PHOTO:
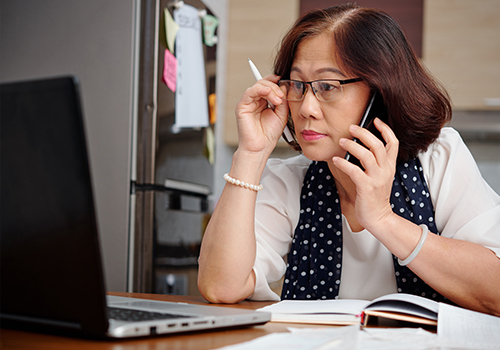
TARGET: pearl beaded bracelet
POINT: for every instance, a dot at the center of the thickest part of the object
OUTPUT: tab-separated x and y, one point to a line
242	184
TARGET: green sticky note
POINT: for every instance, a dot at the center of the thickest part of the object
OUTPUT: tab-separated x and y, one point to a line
210	23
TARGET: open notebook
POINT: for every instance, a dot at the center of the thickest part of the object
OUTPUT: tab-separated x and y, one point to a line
51	270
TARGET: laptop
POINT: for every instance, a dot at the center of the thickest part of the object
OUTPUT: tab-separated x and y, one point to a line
50	260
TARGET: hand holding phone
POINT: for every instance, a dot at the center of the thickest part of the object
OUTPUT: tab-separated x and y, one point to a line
374	109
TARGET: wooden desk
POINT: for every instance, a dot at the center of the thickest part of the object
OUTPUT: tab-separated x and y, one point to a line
21	340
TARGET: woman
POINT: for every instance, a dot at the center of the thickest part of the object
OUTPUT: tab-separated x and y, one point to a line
417	217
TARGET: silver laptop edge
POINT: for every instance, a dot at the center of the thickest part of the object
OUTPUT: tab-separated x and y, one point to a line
200	317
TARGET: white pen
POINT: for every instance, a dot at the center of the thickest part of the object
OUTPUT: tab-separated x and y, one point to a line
257	75
254	69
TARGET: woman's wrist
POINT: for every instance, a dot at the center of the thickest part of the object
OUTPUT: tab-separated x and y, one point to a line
248	166
398	234
386	220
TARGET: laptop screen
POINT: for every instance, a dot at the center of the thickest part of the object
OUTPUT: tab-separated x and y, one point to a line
50	259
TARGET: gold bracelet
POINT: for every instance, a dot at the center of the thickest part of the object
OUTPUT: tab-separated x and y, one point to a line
243	184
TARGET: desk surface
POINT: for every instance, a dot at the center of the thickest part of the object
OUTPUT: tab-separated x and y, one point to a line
14	339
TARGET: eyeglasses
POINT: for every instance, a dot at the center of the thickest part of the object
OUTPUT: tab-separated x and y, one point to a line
324	90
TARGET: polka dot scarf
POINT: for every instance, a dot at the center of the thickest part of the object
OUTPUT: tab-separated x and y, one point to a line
315	260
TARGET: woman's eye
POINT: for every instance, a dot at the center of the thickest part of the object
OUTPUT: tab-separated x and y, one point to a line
327	87
296	86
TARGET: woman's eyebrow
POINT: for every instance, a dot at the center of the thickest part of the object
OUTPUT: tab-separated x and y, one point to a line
330	70
321	70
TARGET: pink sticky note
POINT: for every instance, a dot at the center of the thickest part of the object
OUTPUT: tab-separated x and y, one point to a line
170	70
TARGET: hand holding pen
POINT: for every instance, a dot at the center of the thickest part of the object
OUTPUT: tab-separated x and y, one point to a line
287	134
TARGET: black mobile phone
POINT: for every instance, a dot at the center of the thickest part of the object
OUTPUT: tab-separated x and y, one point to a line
374	109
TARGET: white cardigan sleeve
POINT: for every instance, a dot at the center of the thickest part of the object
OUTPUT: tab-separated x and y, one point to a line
465	206
277	214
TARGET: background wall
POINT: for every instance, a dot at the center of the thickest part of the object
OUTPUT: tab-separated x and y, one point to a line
255	29
461	47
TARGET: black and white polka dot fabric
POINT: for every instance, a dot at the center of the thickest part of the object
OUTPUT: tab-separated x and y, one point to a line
315	259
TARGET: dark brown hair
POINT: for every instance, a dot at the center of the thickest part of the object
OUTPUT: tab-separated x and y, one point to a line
371	45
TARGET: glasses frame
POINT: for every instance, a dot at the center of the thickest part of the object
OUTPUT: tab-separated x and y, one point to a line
305	83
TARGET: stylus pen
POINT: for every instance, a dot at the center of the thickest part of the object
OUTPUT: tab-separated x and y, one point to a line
257	75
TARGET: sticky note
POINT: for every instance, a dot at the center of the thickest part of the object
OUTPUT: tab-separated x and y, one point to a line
210	23
170	70
171	29
212	108
209	150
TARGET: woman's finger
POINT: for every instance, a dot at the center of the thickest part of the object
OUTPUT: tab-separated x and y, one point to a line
263	90
392	142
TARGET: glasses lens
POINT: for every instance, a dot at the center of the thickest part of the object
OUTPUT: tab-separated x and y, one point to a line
293	89
327	90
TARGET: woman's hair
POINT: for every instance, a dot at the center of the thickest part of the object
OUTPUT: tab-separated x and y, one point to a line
371	45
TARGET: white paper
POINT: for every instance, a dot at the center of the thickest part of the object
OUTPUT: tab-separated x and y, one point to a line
191	101
352	338
466	326
341	337
397	339
285	341
303	339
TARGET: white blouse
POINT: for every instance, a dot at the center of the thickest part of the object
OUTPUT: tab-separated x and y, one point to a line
465	207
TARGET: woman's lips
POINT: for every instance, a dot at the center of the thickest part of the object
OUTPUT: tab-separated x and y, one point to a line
309	135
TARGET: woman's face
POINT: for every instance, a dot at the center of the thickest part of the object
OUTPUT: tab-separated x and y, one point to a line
319	125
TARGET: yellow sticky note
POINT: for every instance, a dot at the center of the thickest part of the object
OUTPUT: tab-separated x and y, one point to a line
209	145
171	29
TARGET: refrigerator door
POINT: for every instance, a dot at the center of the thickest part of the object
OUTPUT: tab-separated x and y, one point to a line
168	221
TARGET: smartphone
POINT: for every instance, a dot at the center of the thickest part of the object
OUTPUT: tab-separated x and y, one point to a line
374	109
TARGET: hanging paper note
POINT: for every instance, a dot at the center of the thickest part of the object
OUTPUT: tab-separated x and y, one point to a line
171	29
191	105
170	70
210	23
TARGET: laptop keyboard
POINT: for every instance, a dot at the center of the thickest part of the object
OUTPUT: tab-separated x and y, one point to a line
139	315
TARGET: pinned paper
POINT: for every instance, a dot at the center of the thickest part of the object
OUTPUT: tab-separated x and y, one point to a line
210	23
170	70
171	29
191	100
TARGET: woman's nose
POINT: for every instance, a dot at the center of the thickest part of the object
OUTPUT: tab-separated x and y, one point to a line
309	106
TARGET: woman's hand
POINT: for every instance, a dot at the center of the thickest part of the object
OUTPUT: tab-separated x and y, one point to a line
260	127
374	184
